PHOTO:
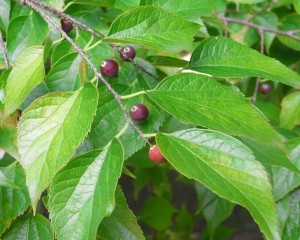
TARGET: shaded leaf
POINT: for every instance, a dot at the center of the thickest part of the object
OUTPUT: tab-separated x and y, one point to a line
289	211
270	154
8	141
122	223
289	23
290	111
157	213
284	180
24	32
215	209
30	227
64	75
13	201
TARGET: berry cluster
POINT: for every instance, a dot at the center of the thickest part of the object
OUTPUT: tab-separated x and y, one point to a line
110	68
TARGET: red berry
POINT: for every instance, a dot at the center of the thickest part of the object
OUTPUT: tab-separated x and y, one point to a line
156	156
139	112
109	68
127	53
66	25
265	88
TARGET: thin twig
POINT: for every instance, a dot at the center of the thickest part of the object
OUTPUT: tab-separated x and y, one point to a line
226	31
263	10
262	49
4	51
290	34
35	7
91	31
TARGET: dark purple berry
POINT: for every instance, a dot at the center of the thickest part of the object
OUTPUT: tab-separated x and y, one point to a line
265	88
66	25
109	68
156	156
139	112
127	53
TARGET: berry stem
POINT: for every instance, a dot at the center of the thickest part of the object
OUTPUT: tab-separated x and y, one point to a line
262	49
35	7
132	95
89	43
67	6
123	130
93	46
58	41
150	135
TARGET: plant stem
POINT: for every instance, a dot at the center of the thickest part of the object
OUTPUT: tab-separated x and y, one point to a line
133	95
149	135
4	51
31	3
91	47
262	49
290	34
123	130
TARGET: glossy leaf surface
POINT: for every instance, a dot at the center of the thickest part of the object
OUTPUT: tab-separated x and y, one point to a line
50	130
83	193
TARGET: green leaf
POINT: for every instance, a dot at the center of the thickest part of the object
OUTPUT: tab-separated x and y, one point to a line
152	27
190	9
247	1
4	13
125	5
289	23
30	227
223	57
226	167
290	111
8	141
64	75
284	181
202	100
297	6
5	176
270	154
84	191
60	51
157	213
167	61
50	130
3	80
289	210
267	19
103	3
27	73
109	120
13	201
215	209
184	223
122	223
24	32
